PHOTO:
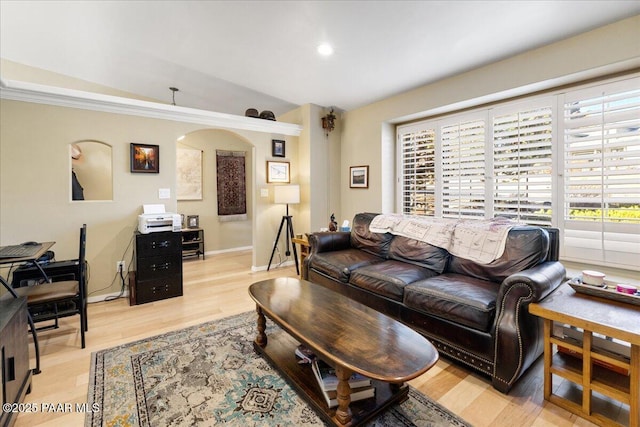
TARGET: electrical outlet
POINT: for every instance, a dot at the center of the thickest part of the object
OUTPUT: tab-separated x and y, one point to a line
120	266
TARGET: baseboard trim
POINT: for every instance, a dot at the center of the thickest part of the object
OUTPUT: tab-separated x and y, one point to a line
273	267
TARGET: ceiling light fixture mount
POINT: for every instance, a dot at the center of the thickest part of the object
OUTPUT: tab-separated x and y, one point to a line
173	95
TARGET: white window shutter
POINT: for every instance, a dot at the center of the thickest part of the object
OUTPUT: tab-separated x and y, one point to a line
463	158
522	163
570	159
602	174
417	151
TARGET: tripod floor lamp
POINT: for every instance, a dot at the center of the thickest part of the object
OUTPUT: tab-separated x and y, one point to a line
286	194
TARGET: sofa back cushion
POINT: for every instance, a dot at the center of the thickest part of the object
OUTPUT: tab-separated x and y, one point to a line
526	247
365	240
419	253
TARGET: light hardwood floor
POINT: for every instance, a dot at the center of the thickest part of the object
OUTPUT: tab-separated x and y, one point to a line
216	288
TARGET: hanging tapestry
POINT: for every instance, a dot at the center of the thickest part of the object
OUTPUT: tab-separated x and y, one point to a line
232	187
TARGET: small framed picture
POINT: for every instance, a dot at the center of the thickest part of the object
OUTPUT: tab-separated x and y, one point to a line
193	221
278	172
145	158
277	148
359	177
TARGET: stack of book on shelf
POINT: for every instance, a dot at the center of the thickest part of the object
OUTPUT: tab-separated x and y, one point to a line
600	344
361	387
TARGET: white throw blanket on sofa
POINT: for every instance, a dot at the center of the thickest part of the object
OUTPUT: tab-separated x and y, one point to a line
482	241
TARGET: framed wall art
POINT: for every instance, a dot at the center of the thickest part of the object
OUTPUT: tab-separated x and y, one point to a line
193	221
359	176
189	174
145	158
277	148
278	172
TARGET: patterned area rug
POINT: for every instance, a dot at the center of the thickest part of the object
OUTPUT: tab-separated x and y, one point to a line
210	374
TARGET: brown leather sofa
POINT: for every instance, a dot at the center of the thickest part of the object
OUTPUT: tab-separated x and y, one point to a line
473	313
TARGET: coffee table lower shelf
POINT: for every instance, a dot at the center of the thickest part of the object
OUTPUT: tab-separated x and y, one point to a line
280	352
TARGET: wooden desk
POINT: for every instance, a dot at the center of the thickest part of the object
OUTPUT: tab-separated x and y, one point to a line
593	315
44	247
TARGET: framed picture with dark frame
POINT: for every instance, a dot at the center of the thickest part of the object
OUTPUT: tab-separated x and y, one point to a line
359	176
278	172
193	221
145	158
277	148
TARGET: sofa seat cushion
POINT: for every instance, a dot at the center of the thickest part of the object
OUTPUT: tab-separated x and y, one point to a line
455	297
339	264
389	278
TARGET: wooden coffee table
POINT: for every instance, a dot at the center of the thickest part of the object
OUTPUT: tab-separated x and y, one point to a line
344	333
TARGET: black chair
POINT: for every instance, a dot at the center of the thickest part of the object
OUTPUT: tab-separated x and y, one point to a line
50	301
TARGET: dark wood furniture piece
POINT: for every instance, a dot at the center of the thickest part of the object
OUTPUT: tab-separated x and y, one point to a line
44	247
14	349
192	242
158	270
593	315
344	333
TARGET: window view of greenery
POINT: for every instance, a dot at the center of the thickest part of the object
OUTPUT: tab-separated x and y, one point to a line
602	158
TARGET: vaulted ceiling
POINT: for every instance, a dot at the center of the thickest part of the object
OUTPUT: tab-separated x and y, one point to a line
228	56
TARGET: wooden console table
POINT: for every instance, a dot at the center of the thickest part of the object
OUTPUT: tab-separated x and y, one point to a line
593	315
304	250
344	333
193	242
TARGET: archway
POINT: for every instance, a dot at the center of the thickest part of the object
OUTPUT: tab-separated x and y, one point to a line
202	200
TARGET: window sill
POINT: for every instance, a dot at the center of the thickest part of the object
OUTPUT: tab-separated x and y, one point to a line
631	277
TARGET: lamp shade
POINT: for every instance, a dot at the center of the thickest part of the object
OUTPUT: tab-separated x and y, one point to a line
286	194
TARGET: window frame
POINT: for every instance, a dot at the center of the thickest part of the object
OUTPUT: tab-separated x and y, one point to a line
555	99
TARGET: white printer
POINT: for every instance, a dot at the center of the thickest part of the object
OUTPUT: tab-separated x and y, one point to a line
155	219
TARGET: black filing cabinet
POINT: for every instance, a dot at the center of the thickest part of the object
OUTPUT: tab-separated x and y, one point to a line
158	274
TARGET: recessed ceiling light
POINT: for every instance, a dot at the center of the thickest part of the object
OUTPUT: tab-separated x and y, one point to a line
325	49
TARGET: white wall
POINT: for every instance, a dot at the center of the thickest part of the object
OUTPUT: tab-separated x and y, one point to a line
319	171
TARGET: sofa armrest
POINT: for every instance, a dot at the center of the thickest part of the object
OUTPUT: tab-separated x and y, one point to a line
329	241
325	242
518	334
541	280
